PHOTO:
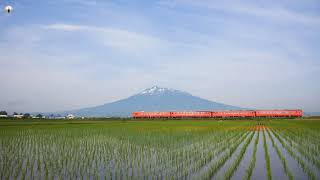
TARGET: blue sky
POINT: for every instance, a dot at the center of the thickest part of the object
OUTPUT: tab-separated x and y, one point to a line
68	54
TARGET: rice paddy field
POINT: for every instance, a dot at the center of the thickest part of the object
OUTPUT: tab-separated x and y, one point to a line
160	149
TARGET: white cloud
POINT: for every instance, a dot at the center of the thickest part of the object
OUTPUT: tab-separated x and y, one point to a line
86	3
118	39
65	27
275	14
273	11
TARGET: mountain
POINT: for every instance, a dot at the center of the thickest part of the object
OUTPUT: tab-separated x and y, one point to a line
152	99
312	113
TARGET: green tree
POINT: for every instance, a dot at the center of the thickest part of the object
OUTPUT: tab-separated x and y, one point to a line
3	113
26	115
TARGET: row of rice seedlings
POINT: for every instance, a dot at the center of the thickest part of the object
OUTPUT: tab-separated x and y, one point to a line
236	163
191	146
177	156
302	164
304	147
221	161
202	160
189	155
208	154
310	134
306	137
292	139
8	160
303	137
281	157
267	157
310	159
67	154
34	165
217	153
145	160
122	162
252	164
200	149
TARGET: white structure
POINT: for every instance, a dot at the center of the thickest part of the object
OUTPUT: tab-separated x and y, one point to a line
19	116
3	116
70	116
59	117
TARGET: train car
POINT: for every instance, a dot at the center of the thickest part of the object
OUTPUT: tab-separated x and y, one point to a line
279	113
136	115
220	114
232	113
191	114
139	115
151	114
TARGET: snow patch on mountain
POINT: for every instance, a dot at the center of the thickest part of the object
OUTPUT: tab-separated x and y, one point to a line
156	90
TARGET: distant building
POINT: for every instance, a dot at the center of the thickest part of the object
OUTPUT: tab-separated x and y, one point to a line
3	116
39	116
19	116
70	116
59	117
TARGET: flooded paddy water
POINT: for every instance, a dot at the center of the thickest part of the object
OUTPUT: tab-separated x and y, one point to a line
259	172
241	171
163	150
276	168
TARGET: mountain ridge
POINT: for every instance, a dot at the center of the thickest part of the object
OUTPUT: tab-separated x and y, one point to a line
152	99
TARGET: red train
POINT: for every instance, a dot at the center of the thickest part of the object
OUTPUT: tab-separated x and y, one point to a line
220	114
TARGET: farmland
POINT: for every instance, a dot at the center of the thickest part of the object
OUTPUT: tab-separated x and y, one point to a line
160	149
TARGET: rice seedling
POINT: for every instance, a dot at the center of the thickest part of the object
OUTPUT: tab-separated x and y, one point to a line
299	160
236	163
304	146
249	170
220	153
281	157
267	157
221	161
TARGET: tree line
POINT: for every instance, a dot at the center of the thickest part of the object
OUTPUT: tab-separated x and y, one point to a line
24	115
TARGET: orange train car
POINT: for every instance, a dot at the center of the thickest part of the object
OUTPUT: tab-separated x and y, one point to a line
151	114
191	114
279	113
220	114
233	113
